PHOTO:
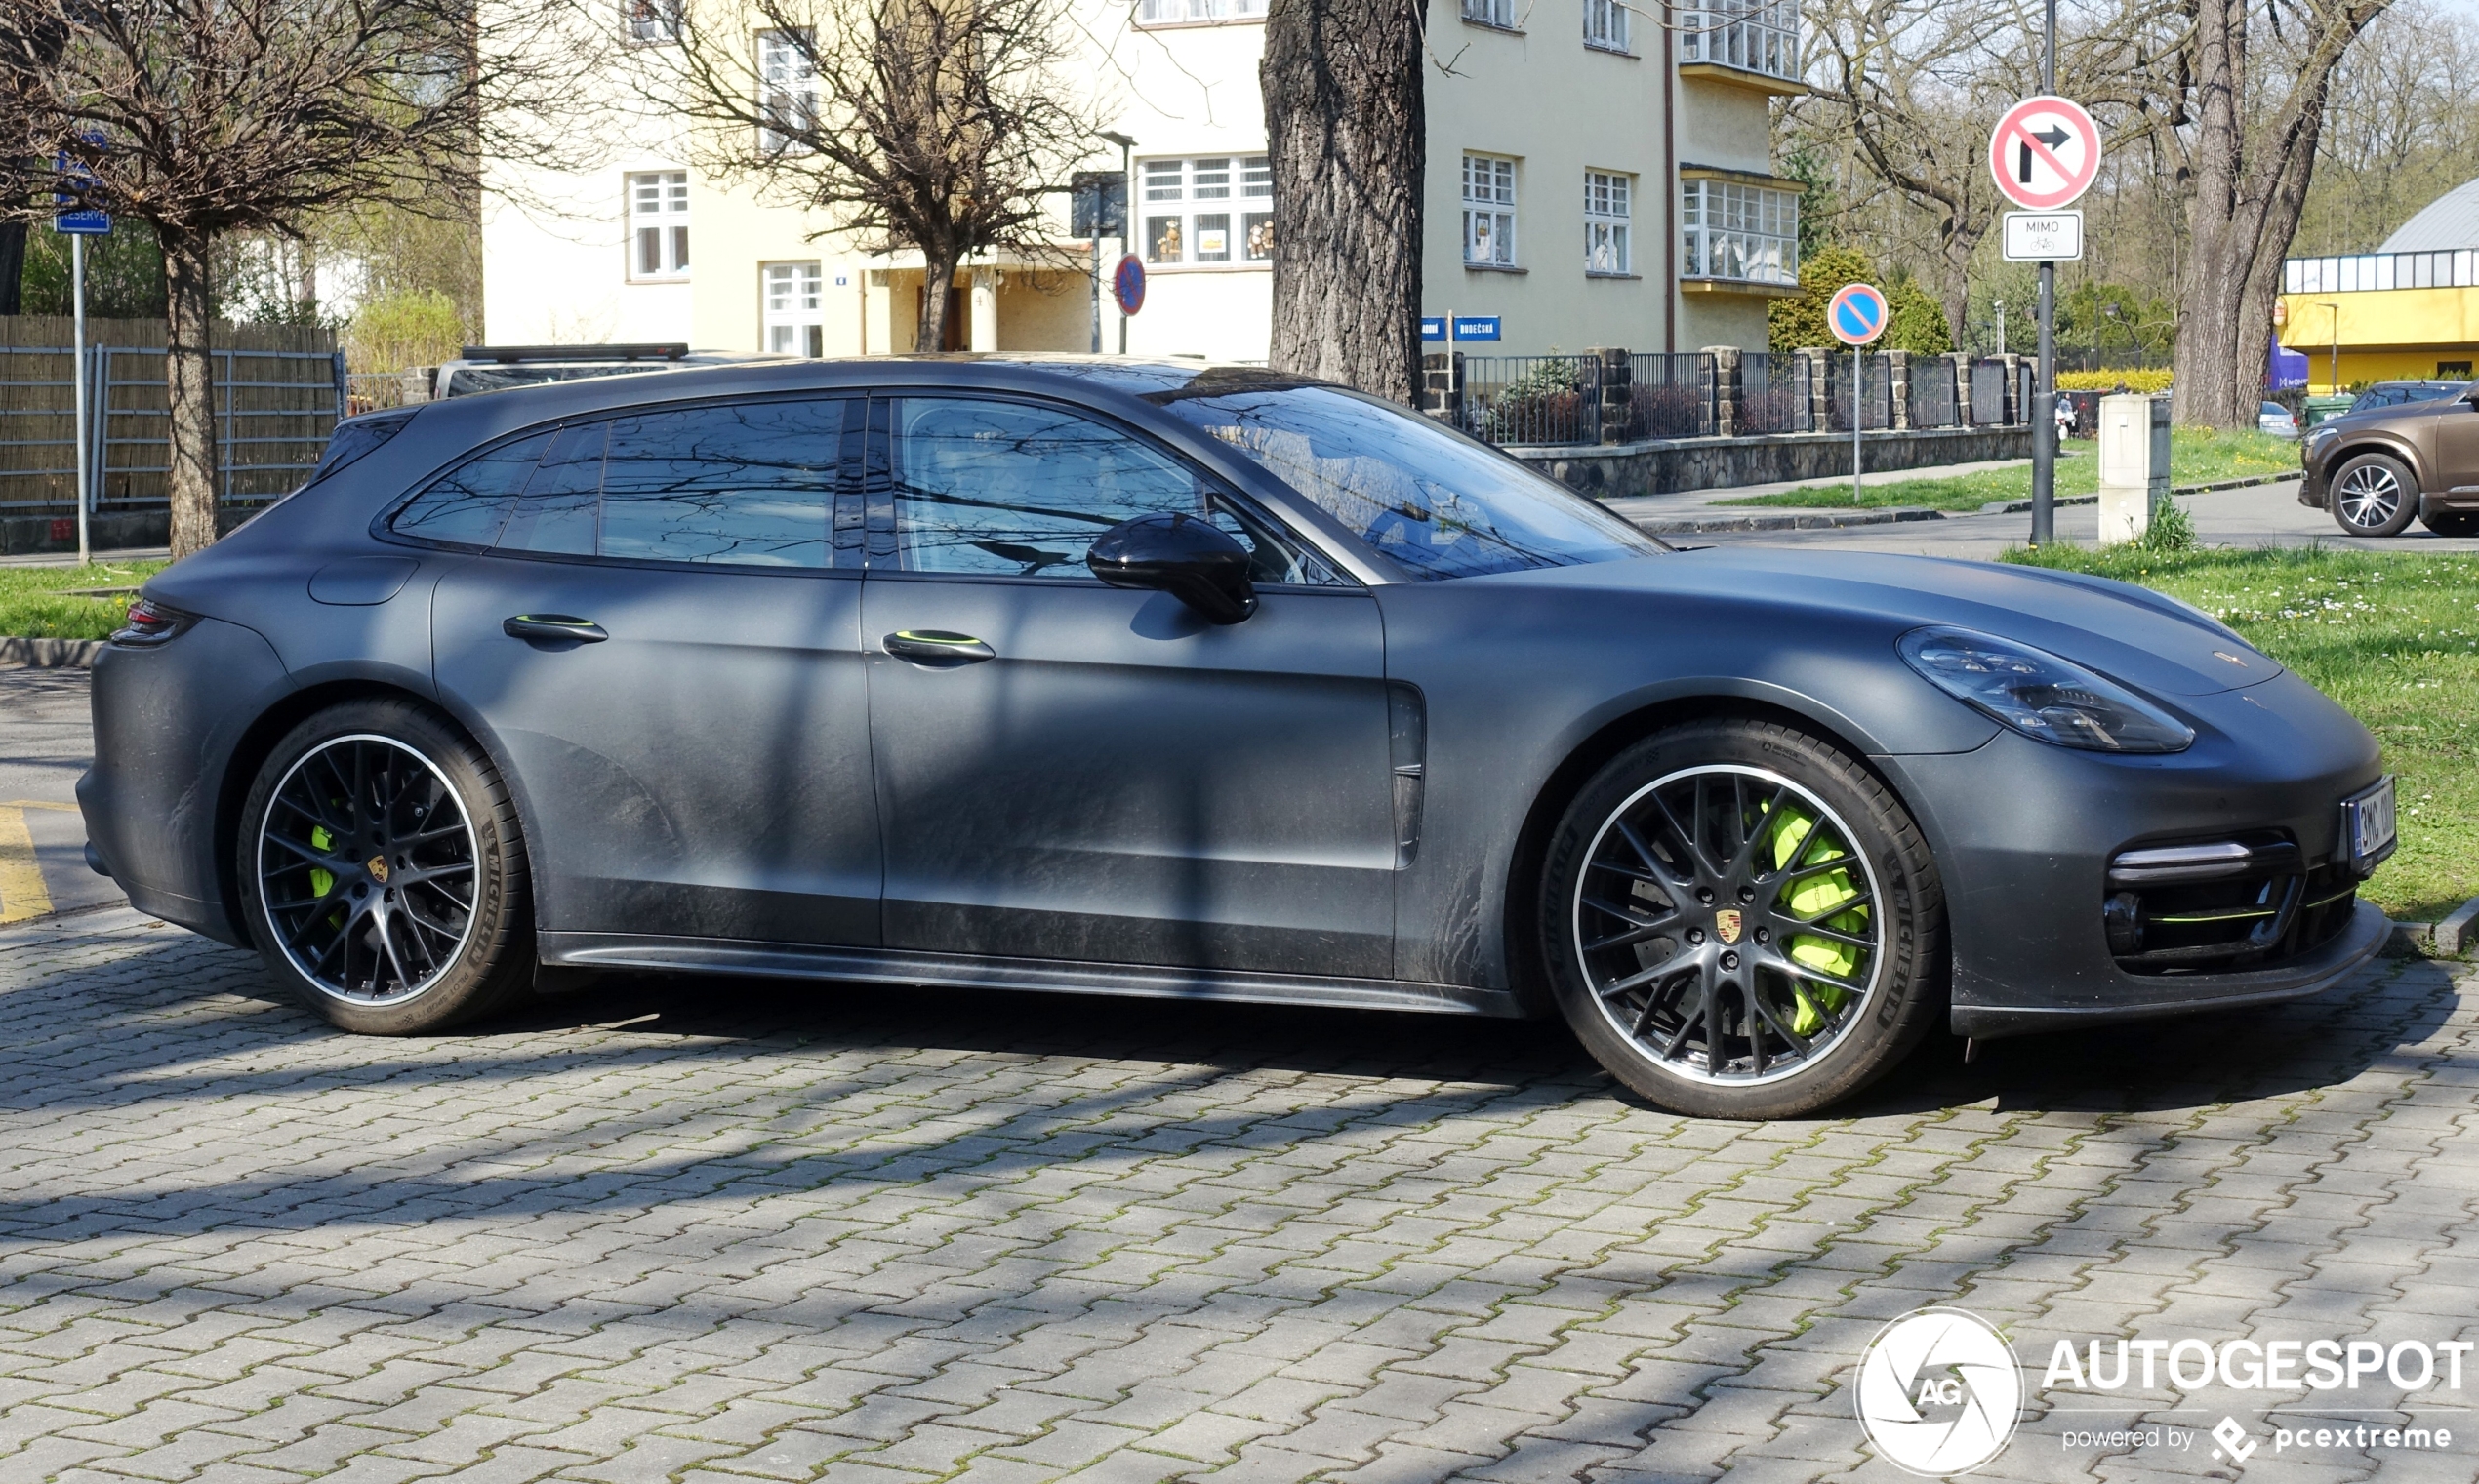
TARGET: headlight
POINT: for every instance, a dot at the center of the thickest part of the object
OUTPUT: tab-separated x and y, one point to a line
2039	695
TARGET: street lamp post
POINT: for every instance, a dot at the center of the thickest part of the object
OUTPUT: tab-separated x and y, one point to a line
1128	212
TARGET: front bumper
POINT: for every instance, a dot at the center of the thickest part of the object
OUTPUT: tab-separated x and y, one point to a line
2023	833
2313	493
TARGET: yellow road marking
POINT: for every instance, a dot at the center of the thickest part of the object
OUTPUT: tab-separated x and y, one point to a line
40	804
22	892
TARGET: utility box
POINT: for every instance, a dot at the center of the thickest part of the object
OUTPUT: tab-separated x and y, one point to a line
2134	464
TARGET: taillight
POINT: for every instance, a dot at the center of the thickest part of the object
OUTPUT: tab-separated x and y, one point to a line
150	622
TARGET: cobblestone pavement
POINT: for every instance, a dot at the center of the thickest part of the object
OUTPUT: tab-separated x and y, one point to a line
700	1231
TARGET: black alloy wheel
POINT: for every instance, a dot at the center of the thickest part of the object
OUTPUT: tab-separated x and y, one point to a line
379	859
1741	922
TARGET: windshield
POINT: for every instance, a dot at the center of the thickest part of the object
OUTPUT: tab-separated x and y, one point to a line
1438	504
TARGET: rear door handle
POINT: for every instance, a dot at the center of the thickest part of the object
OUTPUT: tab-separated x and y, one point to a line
937	648
554	625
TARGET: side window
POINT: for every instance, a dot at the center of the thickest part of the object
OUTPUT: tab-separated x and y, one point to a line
1012	489
751	484
467	505
563	497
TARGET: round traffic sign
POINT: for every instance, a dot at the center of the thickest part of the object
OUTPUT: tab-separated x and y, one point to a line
2043	152
1857	314
1127	284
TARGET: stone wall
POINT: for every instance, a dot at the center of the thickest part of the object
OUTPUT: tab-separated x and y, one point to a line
1664	467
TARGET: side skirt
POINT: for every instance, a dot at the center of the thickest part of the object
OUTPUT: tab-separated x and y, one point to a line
892	966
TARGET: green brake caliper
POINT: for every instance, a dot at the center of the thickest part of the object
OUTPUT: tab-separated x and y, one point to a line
1788	830
322	880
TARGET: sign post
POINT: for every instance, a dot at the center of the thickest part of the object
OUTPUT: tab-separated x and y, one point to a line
1857	315
77	225
2044	154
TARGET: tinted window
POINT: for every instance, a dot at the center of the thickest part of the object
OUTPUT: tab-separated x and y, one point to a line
467	506
1011	489
751	484
358	436
1438	503
562	499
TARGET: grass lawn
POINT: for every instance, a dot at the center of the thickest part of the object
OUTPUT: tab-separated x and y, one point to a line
2395	639
2197	455
34	603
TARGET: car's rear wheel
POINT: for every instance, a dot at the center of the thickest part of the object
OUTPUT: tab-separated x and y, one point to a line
382	871
2453	523
1740	921
2374	494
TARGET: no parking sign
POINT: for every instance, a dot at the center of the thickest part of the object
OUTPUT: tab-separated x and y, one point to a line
1857	314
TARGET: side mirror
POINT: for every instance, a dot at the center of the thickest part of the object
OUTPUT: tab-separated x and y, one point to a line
1184	555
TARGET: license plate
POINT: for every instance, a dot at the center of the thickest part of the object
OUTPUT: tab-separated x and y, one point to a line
2367	826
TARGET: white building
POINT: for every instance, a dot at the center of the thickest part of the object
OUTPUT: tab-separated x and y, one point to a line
1584	189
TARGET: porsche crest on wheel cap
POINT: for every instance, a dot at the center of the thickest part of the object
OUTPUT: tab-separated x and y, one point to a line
1727	924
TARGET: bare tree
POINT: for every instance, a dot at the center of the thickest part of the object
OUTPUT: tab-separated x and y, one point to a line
1348	129
939	125
210	117
2398	129
2248	103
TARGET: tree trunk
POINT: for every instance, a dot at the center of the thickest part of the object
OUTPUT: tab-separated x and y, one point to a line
2251	185
12	267
1348	128
938	285
1954	284
189	388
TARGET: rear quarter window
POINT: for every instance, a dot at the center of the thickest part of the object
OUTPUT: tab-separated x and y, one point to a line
468	505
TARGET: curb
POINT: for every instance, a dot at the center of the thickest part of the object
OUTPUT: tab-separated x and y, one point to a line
1803	519
2454	935
49	654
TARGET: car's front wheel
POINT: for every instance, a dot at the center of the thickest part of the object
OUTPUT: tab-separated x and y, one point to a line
383	872
2374	494
1740	921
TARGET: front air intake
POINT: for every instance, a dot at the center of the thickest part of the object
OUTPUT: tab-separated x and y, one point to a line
2246	901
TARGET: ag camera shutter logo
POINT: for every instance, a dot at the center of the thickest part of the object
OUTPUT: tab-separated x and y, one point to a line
1938	1392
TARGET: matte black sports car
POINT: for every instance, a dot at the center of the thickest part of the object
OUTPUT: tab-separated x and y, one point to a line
1177	680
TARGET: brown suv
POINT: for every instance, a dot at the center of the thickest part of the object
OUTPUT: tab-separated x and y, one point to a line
2376	470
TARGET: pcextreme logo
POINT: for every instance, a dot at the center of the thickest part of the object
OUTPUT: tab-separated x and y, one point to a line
1938	1392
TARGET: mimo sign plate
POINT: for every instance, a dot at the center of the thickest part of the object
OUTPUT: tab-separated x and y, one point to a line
2041	237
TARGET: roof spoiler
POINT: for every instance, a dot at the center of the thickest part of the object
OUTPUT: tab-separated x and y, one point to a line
510	354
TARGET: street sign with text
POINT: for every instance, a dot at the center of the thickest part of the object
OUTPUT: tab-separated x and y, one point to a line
1432	326
1475	327
2042	237
2045	152
71	220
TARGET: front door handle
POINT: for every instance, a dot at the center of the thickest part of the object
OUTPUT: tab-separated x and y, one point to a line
554	625
937	648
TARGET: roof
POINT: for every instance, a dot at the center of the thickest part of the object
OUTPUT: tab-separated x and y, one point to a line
2450	221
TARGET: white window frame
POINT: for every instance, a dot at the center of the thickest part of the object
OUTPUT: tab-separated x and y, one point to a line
1497	15
1610	197
1759	36
787	89
650	22
1606	25
658	208
793	308
1153	13
1209	213
1489	212
1739	234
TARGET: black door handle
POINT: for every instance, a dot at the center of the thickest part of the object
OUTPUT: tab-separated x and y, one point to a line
937	648
554	625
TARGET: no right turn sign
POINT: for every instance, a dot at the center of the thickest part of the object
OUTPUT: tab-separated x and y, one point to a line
2045	152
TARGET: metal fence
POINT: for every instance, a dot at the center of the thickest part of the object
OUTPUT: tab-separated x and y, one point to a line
1930	401
1670	396
1772	395
273	410
1532	398
1875	392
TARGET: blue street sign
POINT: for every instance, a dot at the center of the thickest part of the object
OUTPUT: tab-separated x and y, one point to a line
1432	326
73	222
1475	327
1127	284
1857	313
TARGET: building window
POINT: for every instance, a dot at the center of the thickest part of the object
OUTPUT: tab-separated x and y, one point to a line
659	224
1750	35
796	321
1488	211
1608	205
1496	13
1196	11
1742	232
653	22
1196	211
787	91
1606	25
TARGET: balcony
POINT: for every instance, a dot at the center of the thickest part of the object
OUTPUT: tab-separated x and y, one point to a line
1739	233
1751	44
